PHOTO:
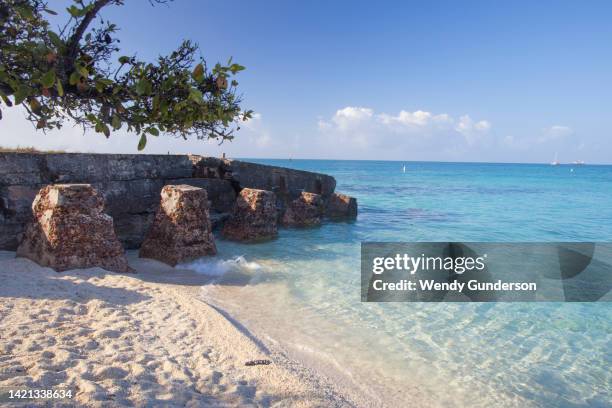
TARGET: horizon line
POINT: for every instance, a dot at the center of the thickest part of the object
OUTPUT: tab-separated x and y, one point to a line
304	159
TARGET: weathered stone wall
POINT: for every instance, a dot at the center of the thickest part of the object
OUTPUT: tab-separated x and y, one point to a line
131	185
280	180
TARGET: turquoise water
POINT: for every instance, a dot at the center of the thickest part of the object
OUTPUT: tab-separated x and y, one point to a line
302	289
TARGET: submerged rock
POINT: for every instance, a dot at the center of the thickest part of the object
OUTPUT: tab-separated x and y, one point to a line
70	230
304	211
181	230
253	217
341	206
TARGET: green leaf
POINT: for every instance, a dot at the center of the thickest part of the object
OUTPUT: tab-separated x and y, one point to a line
34	105
153	131
74	78
124	60
21	93
198	72
48	79
143	142
102	128
74	11
196	96
24	11
48	11
100	86
116	122
155	104
143	87
236	68
55	39
59	87
83	71
87	8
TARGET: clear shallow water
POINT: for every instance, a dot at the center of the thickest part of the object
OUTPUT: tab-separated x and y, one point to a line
303	289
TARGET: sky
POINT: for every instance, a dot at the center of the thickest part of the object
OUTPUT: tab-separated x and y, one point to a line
380	80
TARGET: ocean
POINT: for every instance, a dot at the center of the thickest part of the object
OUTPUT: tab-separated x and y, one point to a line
303	289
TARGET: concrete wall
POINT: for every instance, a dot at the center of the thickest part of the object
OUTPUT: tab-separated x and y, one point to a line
131	185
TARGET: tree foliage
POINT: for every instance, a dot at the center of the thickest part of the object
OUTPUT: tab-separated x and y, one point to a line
74	73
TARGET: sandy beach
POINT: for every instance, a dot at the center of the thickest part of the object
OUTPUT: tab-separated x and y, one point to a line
140	339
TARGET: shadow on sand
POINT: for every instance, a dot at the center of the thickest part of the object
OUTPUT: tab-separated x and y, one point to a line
74	285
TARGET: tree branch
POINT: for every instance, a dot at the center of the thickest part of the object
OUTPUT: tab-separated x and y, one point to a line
75	39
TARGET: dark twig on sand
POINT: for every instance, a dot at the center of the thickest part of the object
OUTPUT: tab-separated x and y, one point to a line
257	362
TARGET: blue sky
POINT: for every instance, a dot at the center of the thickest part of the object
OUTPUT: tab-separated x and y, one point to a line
461	81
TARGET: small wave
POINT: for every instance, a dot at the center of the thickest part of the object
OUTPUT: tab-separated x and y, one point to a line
220	267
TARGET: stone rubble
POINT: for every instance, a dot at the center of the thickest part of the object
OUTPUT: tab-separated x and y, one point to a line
253	218
70	230
341	206
304	211
181	230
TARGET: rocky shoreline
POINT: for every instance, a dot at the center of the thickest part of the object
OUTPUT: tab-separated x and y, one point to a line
149	197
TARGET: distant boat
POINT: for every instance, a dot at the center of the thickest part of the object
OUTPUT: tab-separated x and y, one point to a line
404	168
555	162
579	162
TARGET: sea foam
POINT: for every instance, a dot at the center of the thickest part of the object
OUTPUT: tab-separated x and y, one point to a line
223	267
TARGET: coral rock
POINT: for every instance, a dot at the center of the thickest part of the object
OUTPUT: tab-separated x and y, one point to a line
341	206
304	211
70	230
181	230
253	217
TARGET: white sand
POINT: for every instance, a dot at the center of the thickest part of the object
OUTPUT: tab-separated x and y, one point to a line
140	340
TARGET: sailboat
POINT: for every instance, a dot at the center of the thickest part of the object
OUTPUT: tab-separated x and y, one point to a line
556	161
404	168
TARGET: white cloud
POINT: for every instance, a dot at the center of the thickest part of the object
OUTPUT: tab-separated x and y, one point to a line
364	133
349	133
417	119
471	130
349	117
364	129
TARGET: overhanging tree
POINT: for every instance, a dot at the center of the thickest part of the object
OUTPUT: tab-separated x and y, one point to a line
73	74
